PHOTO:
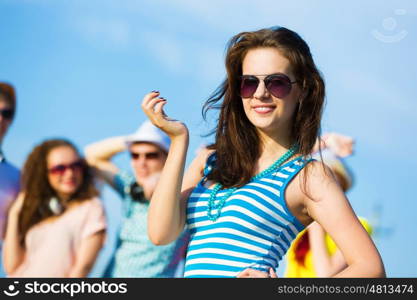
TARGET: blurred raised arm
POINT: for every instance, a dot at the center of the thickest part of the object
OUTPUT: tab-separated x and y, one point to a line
99	155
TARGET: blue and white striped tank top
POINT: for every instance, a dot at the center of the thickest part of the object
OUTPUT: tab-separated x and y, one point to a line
254	230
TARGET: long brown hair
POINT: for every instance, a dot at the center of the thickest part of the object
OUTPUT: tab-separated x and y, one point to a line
37	189
235	131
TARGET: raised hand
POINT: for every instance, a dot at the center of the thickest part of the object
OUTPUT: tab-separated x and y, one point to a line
153	105
339	144
17	205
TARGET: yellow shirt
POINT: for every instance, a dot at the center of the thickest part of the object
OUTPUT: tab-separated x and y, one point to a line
296	269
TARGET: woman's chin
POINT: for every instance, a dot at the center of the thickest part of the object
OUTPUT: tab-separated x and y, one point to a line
67	192
265	125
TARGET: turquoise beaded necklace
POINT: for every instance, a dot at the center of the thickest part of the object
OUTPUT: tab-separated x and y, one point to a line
211	205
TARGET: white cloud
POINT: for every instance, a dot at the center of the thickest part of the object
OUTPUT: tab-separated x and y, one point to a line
110	32
165	48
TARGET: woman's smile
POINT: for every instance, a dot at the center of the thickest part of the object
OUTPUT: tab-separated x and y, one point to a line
263	109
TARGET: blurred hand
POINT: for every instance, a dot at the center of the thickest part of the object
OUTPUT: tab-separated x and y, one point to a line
152	105
17	205
251	273
340	145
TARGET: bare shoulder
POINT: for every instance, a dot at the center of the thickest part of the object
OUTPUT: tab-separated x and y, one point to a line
318	178
313	176
309	186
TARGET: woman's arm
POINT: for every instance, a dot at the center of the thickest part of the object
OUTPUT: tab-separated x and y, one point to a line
87	254
327	205
325	265
99	155
13	251
167	210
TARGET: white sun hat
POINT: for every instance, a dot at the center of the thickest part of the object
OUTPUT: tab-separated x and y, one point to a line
149	133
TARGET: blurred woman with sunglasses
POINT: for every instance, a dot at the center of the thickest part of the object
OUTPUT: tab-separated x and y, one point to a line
247	198
56	227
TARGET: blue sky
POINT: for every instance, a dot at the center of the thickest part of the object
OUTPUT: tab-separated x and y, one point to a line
81	69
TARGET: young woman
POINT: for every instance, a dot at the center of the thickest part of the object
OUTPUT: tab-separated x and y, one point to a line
56	227
246	198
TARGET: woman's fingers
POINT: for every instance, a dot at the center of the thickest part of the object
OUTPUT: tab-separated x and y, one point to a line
148	97
149	106
251	273
153	107
272	273
244	274
149	101
159	107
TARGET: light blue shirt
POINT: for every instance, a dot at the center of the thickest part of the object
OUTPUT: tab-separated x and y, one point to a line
135	255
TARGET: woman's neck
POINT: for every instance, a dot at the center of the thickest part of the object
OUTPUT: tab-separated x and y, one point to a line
64	198
274	144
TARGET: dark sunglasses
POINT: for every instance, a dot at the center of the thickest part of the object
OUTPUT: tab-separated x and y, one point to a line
61	168
279	85
149	155
7	113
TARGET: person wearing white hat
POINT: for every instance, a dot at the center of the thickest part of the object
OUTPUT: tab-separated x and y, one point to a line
135	255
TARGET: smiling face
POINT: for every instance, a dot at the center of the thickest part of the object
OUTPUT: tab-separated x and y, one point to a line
265	111
65	175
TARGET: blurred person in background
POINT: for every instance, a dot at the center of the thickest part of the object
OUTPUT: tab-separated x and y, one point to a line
9	174
135	255
313	253
56	227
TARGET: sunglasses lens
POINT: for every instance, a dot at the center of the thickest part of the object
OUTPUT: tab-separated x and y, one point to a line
59	169
149	155
152	155
6	113
279	86
77	166
248	86
134	155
